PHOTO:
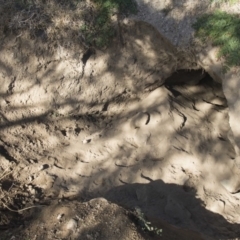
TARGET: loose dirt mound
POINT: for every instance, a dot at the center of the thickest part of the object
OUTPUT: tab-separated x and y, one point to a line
96	219
79	123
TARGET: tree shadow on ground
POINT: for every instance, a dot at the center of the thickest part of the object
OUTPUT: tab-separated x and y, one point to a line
164	206
52	106
172	203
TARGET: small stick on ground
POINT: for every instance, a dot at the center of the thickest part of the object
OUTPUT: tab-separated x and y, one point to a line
20	210
4	175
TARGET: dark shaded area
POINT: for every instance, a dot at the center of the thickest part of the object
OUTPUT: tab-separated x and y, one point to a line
152	203
174	92
151	198
87	55
6	154
185	76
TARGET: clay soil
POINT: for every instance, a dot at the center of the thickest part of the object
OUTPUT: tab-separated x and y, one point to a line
112	144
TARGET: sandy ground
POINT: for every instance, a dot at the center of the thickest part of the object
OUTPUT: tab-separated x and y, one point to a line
174	19
137	125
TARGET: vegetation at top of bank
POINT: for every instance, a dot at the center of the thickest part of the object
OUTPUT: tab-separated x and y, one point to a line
222	30
101	30
93	21
224	1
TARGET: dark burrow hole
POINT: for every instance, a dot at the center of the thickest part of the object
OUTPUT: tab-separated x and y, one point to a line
77	130
186	76
64	133
87	55
6	184
4	152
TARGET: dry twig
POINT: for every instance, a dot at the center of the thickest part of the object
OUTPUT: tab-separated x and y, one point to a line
4	175
20	210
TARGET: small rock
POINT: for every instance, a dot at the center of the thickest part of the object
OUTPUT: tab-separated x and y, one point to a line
31	190
85	141
30	178
71	225
98	202
32	161
42	167
60	216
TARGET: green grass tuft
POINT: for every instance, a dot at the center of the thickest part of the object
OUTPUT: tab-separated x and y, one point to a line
99	32
224	1
222	30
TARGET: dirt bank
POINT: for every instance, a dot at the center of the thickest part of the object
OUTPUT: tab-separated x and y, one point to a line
174	19
134	124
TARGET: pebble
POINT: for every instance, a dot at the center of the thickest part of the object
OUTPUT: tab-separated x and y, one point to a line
60	216
30	178
71	225
43	167
31	190
40	167
31	161
85	141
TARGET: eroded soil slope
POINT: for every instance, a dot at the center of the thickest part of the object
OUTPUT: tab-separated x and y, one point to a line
134	124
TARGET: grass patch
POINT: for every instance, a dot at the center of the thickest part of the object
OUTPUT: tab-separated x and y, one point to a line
224	1
222	30
144	224
100	30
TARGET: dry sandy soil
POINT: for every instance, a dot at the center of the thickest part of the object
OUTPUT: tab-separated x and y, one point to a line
93	140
